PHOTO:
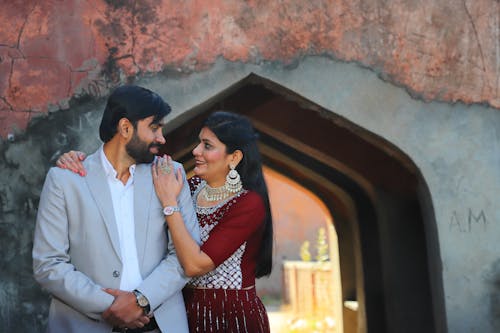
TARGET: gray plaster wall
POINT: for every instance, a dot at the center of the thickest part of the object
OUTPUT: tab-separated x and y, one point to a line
455	147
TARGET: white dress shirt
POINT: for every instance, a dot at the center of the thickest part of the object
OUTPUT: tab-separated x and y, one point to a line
123	206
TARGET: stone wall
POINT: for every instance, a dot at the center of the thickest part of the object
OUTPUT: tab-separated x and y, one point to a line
424	77
54	51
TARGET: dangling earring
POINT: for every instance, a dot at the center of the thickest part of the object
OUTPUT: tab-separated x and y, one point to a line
232	185
233	180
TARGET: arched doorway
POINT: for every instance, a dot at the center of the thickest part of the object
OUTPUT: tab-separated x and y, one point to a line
389	256
303	292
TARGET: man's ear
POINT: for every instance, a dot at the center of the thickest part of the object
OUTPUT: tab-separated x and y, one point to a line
125	128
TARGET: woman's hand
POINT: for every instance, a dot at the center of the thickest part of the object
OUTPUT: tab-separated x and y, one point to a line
72	160
167	181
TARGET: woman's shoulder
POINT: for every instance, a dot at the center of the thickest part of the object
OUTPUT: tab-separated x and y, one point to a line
247	207
250	199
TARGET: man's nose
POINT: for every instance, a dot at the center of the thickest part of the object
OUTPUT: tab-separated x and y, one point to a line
161	139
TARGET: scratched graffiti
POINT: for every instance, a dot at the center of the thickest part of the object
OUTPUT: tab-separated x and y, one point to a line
96	88
469	221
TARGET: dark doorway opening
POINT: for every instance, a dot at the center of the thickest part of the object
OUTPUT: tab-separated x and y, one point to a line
389	256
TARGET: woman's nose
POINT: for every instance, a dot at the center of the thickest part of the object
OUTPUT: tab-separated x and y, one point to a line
196	150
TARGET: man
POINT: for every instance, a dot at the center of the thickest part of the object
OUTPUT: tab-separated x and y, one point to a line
100	246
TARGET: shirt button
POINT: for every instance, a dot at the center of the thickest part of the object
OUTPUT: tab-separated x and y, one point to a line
116	274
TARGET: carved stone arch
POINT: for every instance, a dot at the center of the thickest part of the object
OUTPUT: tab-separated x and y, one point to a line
388	245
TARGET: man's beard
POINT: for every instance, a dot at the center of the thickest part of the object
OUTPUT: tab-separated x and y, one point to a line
140	150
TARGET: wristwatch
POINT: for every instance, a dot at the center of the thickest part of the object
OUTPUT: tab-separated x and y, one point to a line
142	301
169	210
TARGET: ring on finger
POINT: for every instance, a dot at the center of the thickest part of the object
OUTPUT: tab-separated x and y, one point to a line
165	168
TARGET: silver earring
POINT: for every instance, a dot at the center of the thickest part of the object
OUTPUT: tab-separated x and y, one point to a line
233	180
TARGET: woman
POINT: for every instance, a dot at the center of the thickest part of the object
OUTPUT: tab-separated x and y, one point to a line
232	206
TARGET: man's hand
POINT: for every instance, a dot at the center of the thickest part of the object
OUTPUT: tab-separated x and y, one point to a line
124	312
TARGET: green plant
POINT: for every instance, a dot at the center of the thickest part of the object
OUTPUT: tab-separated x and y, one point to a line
305	255
322	246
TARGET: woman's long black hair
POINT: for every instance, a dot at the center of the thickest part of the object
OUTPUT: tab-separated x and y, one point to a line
237	133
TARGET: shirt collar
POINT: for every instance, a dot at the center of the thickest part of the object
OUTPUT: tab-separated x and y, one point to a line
109	170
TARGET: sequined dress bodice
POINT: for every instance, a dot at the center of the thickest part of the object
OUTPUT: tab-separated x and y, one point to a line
225	300
227	275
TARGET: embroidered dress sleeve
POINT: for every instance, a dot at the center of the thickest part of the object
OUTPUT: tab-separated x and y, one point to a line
239	223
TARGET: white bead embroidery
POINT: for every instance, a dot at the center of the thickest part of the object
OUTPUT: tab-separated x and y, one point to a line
227	275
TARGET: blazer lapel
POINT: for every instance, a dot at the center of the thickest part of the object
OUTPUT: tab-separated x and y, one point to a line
98	185
143	194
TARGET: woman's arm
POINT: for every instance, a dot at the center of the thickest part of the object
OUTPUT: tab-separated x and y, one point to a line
168	185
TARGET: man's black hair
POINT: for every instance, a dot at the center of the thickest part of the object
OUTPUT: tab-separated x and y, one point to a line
131	102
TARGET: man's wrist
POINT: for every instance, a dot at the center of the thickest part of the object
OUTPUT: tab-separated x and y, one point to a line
142	302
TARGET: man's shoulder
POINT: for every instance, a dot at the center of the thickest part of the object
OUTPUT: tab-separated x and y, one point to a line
95	157
177	165
62	179
60	173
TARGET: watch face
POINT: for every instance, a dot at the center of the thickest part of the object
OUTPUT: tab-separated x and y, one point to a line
142	301
169	210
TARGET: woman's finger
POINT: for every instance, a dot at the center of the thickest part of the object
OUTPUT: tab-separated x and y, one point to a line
73	155
77	158
154	168
67	160
178	175
60	163
157	167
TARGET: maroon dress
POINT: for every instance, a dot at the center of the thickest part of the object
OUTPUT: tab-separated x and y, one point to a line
224	300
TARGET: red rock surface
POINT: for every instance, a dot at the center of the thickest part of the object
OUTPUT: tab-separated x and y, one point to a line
51	51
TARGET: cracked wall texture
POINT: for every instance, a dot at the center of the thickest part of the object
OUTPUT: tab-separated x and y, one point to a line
65	55
54	51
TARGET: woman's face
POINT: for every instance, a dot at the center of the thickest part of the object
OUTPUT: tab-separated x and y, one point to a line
211	159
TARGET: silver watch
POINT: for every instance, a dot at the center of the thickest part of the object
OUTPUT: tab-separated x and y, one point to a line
169	210
142	301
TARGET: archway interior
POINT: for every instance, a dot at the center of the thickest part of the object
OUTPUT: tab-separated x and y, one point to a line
369	187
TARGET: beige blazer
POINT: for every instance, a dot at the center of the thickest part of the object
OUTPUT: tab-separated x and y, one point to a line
76	249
